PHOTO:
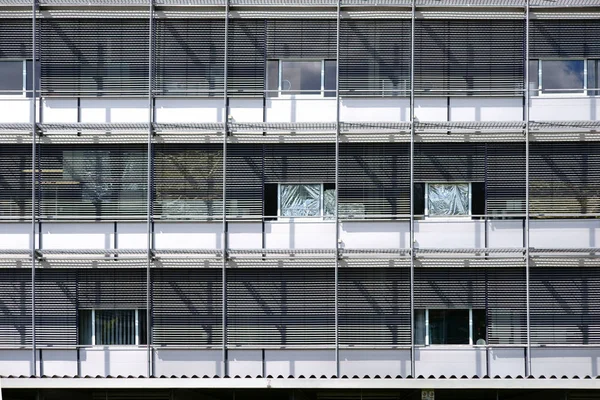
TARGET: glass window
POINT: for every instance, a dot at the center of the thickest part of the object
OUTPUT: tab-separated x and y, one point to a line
534	77
562	76
273	78
448	199
112	327
593	75
301	77
11	78
450	326
329	78
306	200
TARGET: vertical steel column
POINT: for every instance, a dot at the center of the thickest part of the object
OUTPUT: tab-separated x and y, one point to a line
527	260
412	188
149	185
225	234
337	166
33	179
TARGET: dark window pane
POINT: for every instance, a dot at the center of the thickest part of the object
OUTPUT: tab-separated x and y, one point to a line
449	326
29	73
329	78
270	203
142	326
562	76
11	77
272	78
593	77
534	77
85	327
301	77
479	327
420	327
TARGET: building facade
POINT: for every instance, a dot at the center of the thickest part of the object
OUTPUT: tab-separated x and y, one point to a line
281	198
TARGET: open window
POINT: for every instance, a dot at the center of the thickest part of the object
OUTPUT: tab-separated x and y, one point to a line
112	327
450	326
301	77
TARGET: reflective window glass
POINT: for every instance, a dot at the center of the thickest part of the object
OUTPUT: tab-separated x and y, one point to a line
301	77
562	76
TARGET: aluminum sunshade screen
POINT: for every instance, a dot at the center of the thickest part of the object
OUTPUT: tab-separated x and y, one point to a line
187	307
565	177
374	306
314	39
245	179
567	38
280	307
94	57
468	57
15	180
246	58
374	58
15	38
500	291
15	313
189	57
565	305
188	181
92	180
111	288
56	307
374	179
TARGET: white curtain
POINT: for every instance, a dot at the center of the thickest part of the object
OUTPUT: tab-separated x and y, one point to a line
115	327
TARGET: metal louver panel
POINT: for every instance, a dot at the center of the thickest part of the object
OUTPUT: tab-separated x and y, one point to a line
565	177
374	58
374	179
299	163
187	307
92	180
374	306
15	313
245	180
500	291
448	162
94	57
246	58
111	288
15	180
15	38
505	178
565	305
301	39
189	56
188	181
56	307
564	38
469	57
280	307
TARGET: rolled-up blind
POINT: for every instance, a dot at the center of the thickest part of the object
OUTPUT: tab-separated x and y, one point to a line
564	38
280	307
187	307
111	288
246	58
15	38
15	180
15	313
469	57
374	58
189	56
94	57
56	307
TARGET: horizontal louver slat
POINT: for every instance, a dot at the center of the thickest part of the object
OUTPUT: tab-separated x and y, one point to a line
299	163
564	38
56	307
245	180
111	288
246	58
314	39
15	313
505	178
449	162
15	180
15	38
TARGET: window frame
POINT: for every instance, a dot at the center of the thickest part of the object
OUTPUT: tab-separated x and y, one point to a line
471	327
23	93
280	93
137	326
450	217
539	90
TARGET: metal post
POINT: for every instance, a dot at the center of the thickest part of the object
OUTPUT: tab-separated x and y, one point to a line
527	260
337	165
412	188
225	235
33	179
149	186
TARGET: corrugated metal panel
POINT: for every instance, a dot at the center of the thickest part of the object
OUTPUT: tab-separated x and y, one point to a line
92	180
188	180
564	177
15	312
111	288
94	57
560	38
15	180
565	305
187	307
190	56
374	306
301	39
246	58
280	307
374	179
474	57
15	38
500	291
56	307
375	58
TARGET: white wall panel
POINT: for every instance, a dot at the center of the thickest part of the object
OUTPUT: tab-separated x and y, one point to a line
505	233
375	235
507	362
300	235
131	235
245	235
564	233
186	110
449	361
59	110
246	110
567	361
389	109
113	361
245	362
431	108
566	108
301	110
15	362
300	362
188	235
486	109
15	236
375	362
15	110
105	110
92	235
187	362
58	362
449	234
